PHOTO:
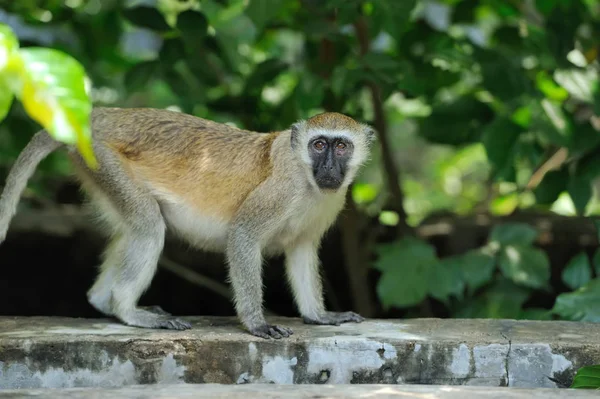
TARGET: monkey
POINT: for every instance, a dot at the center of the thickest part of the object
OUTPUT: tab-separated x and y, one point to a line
246	194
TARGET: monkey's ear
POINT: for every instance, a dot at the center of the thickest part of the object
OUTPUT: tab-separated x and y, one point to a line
370	132
295	133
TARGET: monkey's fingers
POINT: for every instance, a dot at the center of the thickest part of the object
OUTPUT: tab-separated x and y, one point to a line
268	331
351	316
335	318
175	324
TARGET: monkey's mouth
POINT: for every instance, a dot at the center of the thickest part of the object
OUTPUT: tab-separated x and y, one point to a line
328	182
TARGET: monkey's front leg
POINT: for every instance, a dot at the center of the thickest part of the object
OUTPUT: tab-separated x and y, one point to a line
245	273
302	265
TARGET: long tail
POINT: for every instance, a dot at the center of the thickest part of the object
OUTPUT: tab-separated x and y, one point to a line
40	146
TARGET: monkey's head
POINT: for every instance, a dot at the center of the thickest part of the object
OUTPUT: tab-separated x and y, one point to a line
332	146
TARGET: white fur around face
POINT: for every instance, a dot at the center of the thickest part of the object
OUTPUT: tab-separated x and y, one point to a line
360	142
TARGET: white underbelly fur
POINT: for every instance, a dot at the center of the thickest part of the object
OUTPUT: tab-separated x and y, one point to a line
306	220
201	231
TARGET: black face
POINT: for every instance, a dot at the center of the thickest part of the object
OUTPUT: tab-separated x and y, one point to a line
330	156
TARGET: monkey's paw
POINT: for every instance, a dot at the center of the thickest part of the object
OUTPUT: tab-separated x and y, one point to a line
173	323
269	331
334	318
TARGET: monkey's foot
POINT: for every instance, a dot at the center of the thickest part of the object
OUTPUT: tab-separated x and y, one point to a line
334	318
147	319
156	310
268	331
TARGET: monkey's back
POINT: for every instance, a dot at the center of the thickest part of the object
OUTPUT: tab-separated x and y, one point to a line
209	165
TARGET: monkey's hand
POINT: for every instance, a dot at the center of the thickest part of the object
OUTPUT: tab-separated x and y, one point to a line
334	318
269	331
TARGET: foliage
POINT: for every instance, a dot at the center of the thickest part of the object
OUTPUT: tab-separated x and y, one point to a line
492	281
587	378
489	106
50	84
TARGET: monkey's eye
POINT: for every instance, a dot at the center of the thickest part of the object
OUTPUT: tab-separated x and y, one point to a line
319	145
341	146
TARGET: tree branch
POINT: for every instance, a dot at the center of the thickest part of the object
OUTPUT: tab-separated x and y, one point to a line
392	172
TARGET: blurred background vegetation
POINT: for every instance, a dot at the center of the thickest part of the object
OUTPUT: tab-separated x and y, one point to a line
481	195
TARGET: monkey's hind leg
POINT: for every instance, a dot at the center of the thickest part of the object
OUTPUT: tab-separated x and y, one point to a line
132	257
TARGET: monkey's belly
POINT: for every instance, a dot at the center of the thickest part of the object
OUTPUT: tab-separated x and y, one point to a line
202	231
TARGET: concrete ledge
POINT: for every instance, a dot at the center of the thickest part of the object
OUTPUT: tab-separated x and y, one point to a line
61	352
181	391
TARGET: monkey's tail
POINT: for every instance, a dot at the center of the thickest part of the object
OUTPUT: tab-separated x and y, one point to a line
40	146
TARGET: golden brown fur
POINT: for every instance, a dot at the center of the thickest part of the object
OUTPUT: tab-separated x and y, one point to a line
179	154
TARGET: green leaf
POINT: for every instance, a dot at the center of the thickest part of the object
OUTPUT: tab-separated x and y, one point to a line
394	14
580	83
587	377
502	77
263	74
147	17
448	281
500	140
525	265
384	67
51	86
171	51
477	268
407	267
551	186
582	304
503	300
6	100
550	89
262	11
140	74
8	44
580	191
455	123
578	271
193	27
513	234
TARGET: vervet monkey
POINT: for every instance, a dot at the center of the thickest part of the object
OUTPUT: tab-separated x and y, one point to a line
250	195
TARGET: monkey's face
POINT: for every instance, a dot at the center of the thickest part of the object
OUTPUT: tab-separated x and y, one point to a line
330	156
332	146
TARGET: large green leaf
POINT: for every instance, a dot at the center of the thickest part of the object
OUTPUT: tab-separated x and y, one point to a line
513	234
193	27
477	267
525	265
587	378
448	279
578	271
503	300
51	86
582	304
8	44
407	267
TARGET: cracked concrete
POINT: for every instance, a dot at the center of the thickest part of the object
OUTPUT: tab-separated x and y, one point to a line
42	352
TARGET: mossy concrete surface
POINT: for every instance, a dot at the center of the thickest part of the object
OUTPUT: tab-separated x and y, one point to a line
43	352
270	391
